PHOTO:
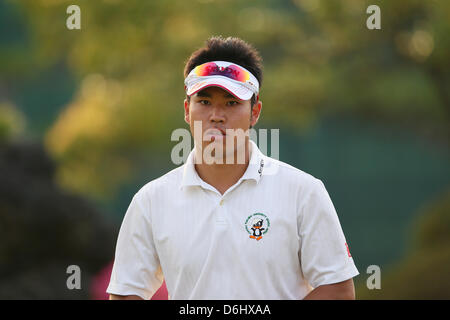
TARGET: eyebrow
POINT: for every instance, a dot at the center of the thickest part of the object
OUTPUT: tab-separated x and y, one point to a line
207	95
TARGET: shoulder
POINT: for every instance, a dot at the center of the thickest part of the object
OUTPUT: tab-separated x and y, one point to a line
284	173
168	182
298	187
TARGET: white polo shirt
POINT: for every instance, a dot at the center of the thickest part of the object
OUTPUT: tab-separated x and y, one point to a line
274	234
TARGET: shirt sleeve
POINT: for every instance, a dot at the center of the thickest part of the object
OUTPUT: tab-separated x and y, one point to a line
136	269
324	254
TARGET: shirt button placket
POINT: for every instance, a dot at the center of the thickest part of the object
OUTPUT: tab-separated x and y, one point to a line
221	213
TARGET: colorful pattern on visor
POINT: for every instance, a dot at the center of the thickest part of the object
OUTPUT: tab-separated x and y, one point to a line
241	82
232	71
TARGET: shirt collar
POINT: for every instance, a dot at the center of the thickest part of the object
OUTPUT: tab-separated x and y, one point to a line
254	170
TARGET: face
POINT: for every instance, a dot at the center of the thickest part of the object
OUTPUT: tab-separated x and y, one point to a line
217	110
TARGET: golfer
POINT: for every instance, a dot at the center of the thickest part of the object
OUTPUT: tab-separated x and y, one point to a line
231	223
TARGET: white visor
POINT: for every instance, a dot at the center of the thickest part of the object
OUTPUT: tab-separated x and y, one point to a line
226	75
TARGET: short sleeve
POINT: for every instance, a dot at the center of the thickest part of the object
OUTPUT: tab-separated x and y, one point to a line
324	254
136	269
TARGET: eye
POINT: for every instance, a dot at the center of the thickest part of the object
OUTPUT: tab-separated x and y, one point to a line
232	103
204	102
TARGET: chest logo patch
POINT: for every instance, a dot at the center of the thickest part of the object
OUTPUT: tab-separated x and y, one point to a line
257	225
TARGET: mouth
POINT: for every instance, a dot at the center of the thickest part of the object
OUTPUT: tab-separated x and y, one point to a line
213	134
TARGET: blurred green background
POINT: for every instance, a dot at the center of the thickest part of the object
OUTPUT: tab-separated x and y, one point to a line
86	117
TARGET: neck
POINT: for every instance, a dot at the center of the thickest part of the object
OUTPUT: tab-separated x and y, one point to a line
222	176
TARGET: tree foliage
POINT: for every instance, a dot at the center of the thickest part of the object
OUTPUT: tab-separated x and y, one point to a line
45	229
424	271
126	65
319	59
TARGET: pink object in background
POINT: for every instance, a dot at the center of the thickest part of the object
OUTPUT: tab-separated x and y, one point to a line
100	282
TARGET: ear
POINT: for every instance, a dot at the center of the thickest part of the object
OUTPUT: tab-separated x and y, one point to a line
255	112
186	111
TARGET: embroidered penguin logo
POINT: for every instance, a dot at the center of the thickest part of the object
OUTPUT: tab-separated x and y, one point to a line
257	230
257	225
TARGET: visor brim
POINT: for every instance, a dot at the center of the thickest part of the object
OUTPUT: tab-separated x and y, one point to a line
239	91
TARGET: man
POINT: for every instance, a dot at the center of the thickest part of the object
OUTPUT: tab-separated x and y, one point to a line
231	223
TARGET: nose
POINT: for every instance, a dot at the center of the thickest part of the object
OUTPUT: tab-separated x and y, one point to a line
217	114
